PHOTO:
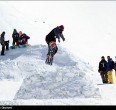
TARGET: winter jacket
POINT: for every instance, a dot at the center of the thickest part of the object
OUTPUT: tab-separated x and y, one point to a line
102	65
115	65
24	37
3	39
55	33
109	65
15	35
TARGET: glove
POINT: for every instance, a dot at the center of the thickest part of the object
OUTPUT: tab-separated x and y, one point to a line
64	39
59	40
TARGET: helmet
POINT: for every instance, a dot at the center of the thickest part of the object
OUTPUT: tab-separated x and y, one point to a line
61	27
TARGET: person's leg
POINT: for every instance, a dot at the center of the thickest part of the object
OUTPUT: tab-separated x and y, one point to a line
56	49
7	45
110	77
102	76
3	48
13	42
106	76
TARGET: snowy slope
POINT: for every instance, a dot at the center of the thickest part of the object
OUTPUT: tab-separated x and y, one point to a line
68	77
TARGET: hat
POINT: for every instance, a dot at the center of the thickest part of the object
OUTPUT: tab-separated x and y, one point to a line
102	57
61	27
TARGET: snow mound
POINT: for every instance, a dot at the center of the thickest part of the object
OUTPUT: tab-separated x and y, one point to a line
68	77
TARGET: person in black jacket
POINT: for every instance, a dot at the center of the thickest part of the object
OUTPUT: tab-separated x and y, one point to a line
115	66
102	70
3	43
15	37
55	33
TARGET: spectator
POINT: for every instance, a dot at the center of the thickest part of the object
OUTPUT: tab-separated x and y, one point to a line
15	37
3	43
110	66
102	70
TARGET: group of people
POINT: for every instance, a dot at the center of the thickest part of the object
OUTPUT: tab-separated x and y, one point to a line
106	69
19	38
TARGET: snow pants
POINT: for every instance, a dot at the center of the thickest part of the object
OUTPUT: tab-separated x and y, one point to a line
104	76
110	77
7	45
3	49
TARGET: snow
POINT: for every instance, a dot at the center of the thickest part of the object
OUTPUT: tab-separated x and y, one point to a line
73	79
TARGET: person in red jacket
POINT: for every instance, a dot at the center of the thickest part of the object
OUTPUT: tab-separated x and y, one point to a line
19	41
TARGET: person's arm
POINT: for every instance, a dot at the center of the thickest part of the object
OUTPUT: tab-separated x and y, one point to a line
62	37
99	68
58	34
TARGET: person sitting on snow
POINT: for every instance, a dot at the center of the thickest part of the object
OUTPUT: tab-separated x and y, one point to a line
19	42
24	38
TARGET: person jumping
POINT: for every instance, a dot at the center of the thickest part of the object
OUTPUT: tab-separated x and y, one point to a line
51	40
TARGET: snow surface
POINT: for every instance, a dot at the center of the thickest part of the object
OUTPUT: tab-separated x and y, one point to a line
73	79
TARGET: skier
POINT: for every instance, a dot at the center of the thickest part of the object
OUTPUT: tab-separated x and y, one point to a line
15	37
102	70
3	43
110	66
51	38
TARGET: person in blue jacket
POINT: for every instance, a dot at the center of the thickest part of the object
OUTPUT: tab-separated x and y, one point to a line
109	69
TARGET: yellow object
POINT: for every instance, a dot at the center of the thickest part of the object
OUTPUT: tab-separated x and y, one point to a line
110	77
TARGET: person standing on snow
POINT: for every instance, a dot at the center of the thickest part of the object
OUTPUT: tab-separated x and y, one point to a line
55	33
110	67
3	42
7	45
115	66
15	37
102	70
